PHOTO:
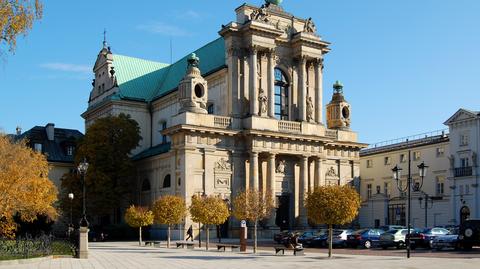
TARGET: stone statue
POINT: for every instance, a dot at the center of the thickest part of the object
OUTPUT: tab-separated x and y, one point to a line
309	26
260	14
281	167
262	99
331	172
309	108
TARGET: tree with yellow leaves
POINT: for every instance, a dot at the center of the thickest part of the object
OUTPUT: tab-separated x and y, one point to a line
138	217
332	205
169	210
209	210
16	18
253	205
24	185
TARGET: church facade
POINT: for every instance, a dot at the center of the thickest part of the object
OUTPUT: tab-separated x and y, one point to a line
244	111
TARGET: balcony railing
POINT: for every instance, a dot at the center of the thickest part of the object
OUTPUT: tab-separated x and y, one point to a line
222	122
463	171
290	126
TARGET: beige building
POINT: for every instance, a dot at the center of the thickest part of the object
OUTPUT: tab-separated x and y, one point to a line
244	111
449	193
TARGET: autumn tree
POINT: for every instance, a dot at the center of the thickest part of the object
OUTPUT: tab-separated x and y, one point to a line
253	205
209	210
332	205
138	217
16	18
25	189
169	210
111	173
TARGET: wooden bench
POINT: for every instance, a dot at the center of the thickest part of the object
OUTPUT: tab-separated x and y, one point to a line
296	251
152	243
234	248
183	244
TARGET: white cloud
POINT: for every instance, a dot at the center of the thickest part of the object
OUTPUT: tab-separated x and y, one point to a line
189	14
76	68
163	29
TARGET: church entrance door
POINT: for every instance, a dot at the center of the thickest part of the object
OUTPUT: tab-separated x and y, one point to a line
282	218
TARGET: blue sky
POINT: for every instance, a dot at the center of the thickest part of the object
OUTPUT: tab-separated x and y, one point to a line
406	65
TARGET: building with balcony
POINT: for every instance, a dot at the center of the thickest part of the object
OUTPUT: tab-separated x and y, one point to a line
449	193
244	111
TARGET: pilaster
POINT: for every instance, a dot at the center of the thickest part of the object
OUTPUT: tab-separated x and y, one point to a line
318	90
302	88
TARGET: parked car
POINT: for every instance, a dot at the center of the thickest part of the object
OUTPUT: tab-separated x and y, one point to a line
307	237
450	240
280	237
365	238
339	238
425	237
469	233
391	227
393	238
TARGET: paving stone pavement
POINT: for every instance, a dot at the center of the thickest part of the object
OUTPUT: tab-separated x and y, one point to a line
125	255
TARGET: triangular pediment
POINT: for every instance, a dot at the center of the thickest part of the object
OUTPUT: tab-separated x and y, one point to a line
460	115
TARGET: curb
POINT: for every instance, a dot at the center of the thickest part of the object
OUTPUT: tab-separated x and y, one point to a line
33	260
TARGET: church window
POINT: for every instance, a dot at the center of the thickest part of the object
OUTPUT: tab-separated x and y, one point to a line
281	95
70	150
38	147
440	186
403	158
210	109
369	163
387	160
164	137
416	155
464	140
166	181
369	190
440	152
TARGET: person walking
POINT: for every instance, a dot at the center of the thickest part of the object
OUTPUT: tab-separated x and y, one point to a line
190	233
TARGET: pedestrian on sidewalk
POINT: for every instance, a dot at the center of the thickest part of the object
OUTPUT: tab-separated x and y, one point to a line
190	233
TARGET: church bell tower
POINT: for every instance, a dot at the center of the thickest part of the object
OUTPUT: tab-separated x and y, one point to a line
338	110
193	90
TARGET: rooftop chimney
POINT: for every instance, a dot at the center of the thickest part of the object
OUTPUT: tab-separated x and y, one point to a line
50	129
18	130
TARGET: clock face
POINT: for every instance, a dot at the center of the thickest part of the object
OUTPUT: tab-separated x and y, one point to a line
345	112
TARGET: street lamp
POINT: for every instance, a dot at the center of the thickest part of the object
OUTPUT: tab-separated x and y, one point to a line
70	226
410	185
426	206
82	169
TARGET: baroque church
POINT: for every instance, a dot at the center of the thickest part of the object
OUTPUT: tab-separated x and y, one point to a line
243	111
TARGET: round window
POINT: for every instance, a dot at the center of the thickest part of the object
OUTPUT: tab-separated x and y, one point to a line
199	91
345	112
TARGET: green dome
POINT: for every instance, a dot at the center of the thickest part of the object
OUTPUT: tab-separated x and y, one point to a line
275	2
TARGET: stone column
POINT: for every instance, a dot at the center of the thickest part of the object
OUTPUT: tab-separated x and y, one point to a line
83	251
233	80
271	185
318	172
318	90
254	170
302	89
271	84
253	82
302	218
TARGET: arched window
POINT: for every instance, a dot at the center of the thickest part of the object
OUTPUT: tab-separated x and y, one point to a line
166	181
281	95
146	185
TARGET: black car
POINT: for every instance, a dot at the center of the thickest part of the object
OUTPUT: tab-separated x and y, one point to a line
425	238
307	237
469	233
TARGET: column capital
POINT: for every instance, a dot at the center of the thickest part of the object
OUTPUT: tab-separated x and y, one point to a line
253	49
234	51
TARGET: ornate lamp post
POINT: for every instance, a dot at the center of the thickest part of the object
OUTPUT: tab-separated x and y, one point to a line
70	225
410	185
82	169
426	206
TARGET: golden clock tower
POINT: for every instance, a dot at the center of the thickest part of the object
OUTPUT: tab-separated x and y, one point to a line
338	110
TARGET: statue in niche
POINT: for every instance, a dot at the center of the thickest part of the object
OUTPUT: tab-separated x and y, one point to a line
262	99
281	167
309	26
309	108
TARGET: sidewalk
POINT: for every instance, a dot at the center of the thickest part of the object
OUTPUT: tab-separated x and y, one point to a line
110	255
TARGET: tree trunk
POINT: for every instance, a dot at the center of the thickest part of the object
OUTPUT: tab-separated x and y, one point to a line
330	240
255	237
140	235
168	237
208	237
199	235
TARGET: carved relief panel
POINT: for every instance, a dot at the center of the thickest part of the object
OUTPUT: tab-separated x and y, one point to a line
222	174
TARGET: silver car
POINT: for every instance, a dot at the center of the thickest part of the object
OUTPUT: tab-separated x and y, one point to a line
393	238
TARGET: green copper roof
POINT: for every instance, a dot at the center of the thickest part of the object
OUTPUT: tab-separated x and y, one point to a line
138	78
145	80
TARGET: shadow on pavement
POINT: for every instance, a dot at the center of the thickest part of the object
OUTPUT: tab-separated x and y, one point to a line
209	258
